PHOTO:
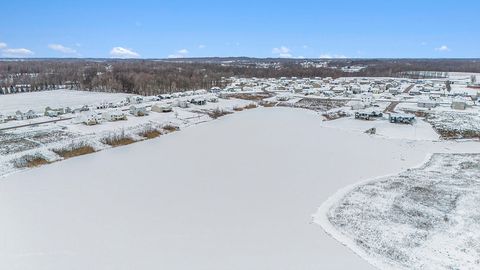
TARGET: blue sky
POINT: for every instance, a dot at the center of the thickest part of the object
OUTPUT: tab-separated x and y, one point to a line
188	28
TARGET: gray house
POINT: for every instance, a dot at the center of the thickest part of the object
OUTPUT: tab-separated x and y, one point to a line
429	104
138	110
459	105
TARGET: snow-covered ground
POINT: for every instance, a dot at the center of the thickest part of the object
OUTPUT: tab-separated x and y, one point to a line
420	130
425	218
38	101
230	194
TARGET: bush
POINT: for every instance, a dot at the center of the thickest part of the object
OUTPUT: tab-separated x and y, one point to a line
117	139
30	161
217	113
74	150
170	128
150	133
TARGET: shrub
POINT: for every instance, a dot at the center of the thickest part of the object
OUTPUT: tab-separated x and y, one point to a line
74	150
217	113
30	161
117	139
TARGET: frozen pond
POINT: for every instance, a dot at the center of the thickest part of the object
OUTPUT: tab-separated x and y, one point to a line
237	193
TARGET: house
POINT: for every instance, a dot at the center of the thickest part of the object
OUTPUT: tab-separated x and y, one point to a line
338	89
84	108
52	113
200	92
161	108
309	91
429	104
182	104
394	91
165	96
135	99
3	119
25	116
283	97
114	115
102	106
215	90
367	98
356	105
88	118
138	110
56	112
459	104
368	114
198	101
401	118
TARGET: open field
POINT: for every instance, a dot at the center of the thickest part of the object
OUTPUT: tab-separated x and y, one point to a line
38	101
425	218
148	210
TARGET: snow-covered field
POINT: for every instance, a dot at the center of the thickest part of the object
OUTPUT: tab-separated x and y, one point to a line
456	124
420	130
236	193
425	218
38	101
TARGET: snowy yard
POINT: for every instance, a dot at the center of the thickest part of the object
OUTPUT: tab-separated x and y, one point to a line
456	125
425	218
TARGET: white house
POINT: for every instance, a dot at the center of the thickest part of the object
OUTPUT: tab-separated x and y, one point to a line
161	108
25	116
138	110
135	99
114	115
309	91
102	106
181	104
88	118
426	103
367	99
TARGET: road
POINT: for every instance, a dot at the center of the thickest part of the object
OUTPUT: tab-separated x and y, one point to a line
36	123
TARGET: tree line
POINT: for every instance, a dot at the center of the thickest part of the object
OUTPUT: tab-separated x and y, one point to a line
149	77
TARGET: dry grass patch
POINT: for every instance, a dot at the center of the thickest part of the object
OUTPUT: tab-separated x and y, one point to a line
170	128
75	151
267	104
117	139
250	106
150	134
217	113
238	109
30	161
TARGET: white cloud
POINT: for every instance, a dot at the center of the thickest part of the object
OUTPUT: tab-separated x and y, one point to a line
3	45
201	46
443	48
179	54
282	52
332	56
20	52
62	49
120	52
